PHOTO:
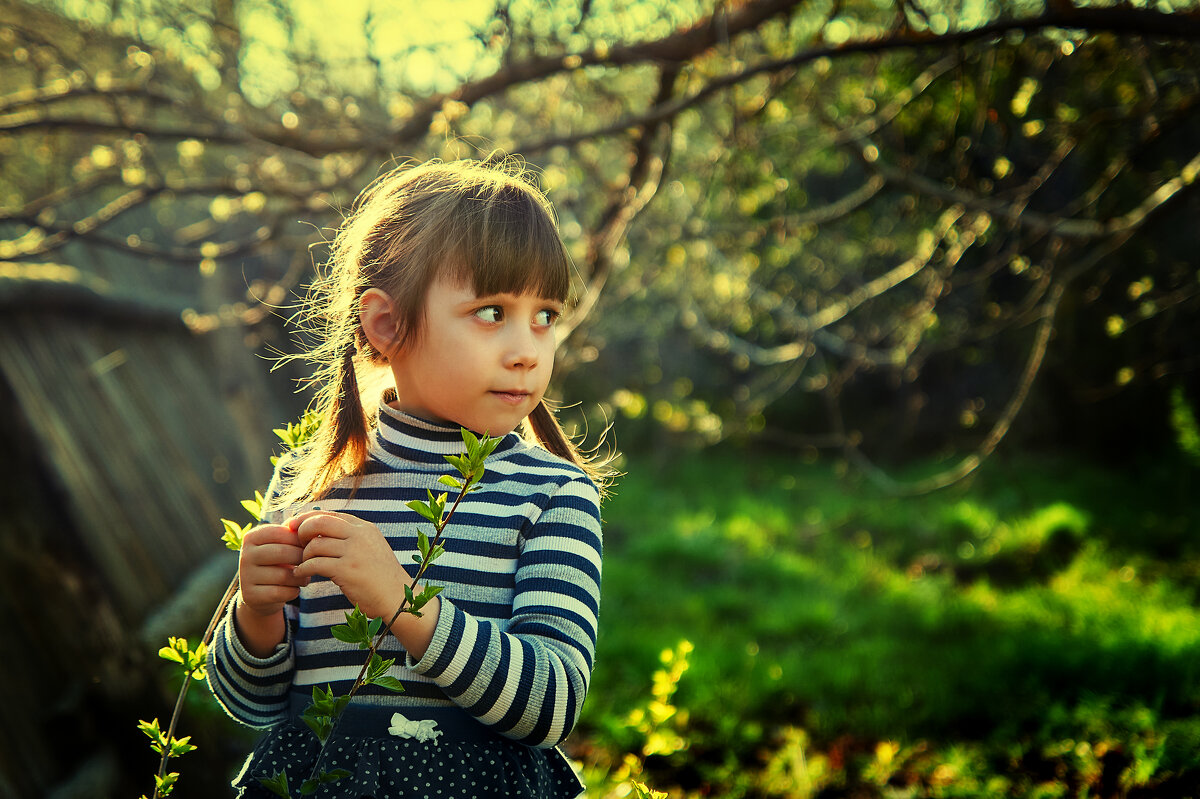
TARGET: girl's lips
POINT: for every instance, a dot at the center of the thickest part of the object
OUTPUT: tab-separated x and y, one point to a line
512	397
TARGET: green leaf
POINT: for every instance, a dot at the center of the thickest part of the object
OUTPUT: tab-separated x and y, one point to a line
277	785
324	708
298	433
343	633
196	658
308	426
490	446
448	480
181	746
423	509
377	669
358	629
171	654
166	784
423	544
422	599
320	723
322	778
460	463
157	739
234	533
390	683
413	605
254	506
438	503
643	791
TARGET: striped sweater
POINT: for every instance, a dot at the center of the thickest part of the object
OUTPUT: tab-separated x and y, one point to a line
516	634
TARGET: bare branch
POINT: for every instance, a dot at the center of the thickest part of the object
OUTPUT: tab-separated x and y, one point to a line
645	176
63	234
45	96
74	191
999	430
677	48
1124	20
806	327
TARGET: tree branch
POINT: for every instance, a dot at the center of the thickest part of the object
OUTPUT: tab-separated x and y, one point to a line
677	48
45	96
645	176
999	430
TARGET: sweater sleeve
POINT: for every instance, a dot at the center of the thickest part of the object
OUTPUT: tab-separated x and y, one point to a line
528	683
254	690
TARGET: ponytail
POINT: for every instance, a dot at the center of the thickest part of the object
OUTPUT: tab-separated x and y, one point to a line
549	434
340	445
347	444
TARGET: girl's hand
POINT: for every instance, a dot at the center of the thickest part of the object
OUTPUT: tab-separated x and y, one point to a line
265	569
355	555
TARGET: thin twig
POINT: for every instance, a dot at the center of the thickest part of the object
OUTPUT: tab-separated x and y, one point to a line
217	615
358	681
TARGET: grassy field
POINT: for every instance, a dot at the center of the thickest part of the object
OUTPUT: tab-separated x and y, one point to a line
770	628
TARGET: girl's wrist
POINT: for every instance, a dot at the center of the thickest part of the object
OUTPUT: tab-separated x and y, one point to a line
257	611
416	632
260	633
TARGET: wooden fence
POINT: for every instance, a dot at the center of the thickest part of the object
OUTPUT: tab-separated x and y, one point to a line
123	444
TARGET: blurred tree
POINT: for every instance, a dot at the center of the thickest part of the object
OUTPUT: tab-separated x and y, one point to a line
883	220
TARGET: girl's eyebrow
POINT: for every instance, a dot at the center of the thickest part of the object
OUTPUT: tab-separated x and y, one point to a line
509	295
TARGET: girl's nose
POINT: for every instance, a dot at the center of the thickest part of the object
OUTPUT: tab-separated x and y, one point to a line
522	351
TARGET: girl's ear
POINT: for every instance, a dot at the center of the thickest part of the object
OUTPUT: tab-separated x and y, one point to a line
380	322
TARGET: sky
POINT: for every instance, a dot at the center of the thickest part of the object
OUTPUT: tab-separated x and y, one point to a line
338	31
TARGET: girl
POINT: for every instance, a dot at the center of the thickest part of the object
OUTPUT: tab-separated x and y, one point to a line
446	279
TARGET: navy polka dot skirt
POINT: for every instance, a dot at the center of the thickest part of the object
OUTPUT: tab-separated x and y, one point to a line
448	767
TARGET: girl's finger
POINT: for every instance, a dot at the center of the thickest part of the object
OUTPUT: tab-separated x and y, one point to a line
322	524
277	554
268	534
316	567
271	594
295	521
323	547
267	576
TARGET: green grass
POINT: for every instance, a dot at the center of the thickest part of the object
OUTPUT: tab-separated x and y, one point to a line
976	631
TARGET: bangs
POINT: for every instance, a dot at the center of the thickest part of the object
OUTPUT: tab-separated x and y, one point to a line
508	244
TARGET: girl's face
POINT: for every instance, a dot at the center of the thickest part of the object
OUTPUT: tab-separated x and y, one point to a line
479	362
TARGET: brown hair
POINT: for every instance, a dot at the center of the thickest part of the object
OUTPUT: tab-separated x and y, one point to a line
485	223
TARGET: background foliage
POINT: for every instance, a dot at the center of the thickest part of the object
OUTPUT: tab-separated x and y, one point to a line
869	226
903	234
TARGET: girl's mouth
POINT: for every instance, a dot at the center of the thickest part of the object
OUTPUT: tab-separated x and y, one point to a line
511	397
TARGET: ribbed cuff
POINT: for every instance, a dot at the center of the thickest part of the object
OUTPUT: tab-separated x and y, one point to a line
233	642
440	644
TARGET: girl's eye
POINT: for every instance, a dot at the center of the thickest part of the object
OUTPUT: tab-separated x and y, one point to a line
545	317
491	313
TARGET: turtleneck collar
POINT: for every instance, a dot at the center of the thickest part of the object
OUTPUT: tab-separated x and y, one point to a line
402	437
